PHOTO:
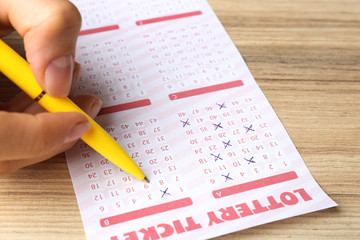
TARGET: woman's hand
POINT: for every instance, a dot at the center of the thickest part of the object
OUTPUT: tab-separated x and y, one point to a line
28	134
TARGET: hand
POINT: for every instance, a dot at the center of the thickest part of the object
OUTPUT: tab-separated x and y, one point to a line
28	134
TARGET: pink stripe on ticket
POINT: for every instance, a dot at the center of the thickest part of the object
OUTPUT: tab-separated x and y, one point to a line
167	18
199	91
260	183
165	207
124	106
99	30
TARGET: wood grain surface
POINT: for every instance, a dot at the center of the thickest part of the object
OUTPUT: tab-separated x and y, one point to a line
305	56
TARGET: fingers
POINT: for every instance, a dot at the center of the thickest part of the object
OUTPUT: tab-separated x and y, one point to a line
50	29
89	104
27	139
76	78
29	136
24	104
19	103
32	135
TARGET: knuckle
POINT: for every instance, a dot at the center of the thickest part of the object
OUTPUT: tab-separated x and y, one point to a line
39	143
34	141
71	12
64	14
26	136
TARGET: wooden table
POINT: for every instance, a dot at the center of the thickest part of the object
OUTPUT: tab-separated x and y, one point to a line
305	55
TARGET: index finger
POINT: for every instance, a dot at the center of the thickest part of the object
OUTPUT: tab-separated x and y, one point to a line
50	29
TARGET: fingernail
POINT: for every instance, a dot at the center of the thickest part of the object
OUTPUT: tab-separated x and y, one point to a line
58	76
77	131
95	108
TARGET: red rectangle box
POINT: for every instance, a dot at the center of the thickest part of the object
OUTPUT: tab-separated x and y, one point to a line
199	91
161	208
124	106
99	30
167	18
260	183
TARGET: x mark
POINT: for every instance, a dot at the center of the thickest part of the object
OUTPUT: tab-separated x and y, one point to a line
165	192
221	105
227	177
250	160
185	123
217	125
217	157
227	144
249	128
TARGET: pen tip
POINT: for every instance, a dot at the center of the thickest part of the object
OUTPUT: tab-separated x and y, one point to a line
146	180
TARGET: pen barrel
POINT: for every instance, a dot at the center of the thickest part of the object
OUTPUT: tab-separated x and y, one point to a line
18	70
97	138
13	66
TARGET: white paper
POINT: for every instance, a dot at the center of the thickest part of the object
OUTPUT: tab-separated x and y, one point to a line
179	98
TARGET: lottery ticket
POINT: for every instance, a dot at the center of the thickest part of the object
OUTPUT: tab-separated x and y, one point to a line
179	98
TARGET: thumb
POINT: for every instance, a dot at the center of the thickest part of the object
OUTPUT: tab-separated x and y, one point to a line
50	29
29	136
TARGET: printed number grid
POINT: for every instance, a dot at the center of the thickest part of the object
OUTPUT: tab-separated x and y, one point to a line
232	141
156	8
199	126
95	13
109	72
113	189
189	57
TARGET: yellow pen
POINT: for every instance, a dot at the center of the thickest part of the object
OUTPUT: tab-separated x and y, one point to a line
18	70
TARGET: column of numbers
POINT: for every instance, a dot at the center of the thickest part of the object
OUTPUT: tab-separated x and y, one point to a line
189	57
109	72
95	13
158	8
230	140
